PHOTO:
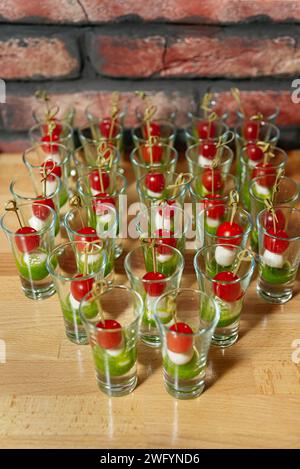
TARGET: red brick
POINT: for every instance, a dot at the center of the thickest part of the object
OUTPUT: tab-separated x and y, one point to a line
13	143
32	57
197	53
16	114
95	11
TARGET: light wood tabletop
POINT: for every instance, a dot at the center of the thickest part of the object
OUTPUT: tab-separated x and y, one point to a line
48	392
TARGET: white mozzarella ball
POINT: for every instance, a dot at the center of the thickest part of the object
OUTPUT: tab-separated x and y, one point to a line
157	195
204	162
272	259
180	358
265	191
51	187
213	222
74	303
163	257
114	352
54	157
36	223
224	256
39	257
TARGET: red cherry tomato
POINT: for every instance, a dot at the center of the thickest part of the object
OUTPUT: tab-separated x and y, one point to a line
27	243
215	208
39	208
165	237
154	288
48	143
155	182
96	178
50	168
267	174
88	234
227	291
206	129
208	149
251	130
57	130
108	128
212	180
102	198
269	219
79	288
254	152
107	337
230	230
278	246
157	153
177	342
154	130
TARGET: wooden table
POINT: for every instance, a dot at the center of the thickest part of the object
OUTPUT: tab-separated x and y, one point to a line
49	397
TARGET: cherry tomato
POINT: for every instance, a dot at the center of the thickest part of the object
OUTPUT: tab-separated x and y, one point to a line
180	339
109	338
154	288
227	291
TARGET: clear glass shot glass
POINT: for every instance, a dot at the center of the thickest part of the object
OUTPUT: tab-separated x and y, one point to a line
159	188
269	170
287	194
164	159
87	155
30	246
152	272
186	340
89	223
29	188
52	158
66	137
64	115
165	224
197	164
165	132
279	253
262	131
200	130
74	267
228	286
167	112
98	131
265	113
113	337
115	187
222	224
215	105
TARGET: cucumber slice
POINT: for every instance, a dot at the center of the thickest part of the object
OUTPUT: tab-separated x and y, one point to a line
188	371
32	266
72	314
229	312
277	276
114	366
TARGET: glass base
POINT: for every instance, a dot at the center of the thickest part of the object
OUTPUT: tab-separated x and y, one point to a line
39	293
151	340
120	389
77	337
118	250
185	392
224	340
273	298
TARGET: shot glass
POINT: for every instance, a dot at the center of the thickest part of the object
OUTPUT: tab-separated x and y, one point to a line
252	132
74	268
30	188
39	134
268	169
163	188
167	112
164	224
228	286
260	110
99	131
30	246
88	154
153	270
113	336
52	158
210	103
164	158
200	129
221	225
287	194
163	132
186	340
279	253
62	115
89	223
200	165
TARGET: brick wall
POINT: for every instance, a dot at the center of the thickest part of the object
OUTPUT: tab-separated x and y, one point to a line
84	49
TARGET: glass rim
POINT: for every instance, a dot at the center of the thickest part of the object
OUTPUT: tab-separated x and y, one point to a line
194	290
51	196
113	194
231	282
293	181
146	210
238	209
188	130
95	121
270	117
280	151
41	144
166	122
135	158
73	210
38	125
274	127
222	163
38	232
108	289
60	246
265	232
227	176
37	110
179	266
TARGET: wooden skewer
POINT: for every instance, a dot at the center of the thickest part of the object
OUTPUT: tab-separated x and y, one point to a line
11	206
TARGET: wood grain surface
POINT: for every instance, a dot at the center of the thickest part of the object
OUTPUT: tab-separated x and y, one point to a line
48	392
